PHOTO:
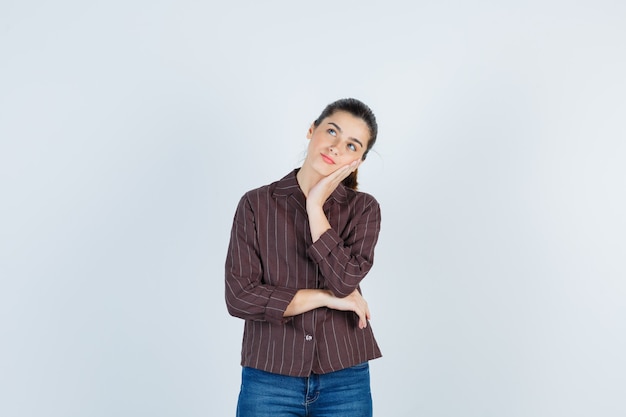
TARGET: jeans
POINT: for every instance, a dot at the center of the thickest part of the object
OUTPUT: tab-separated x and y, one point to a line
344	393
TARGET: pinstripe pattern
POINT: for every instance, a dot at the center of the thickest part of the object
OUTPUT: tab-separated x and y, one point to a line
271	256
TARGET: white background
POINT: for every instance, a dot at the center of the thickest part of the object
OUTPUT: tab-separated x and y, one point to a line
129	130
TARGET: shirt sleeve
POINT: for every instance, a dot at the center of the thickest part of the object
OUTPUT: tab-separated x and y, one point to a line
246	295
344	263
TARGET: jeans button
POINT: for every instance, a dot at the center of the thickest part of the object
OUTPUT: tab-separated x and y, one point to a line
308	338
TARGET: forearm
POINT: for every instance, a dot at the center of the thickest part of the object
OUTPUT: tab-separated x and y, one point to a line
257	302
310	299
344	260
307	300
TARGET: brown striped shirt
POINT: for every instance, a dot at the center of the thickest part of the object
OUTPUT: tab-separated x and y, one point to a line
271	256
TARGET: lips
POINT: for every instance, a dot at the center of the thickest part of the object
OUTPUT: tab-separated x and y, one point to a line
328	159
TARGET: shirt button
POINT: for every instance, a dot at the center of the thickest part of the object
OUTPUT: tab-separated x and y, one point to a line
308	338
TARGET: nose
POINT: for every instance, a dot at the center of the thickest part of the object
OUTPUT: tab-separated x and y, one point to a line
333	150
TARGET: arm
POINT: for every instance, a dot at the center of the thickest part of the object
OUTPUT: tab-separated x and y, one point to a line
344	263
246	296
317	196
310	299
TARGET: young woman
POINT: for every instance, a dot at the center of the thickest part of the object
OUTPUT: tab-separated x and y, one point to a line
298	251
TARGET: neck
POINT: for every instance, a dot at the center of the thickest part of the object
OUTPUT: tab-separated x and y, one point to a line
307	178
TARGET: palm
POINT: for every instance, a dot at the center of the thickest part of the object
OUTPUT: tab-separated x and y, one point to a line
320	192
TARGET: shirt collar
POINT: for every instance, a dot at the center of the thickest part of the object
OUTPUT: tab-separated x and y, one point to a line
288	185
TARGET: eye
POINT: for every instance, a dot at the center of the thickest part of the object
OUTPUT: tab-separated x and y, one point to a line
332	132
352	147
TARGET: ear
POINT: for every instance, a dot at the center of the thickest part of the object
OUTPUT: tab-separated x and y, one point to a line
309	134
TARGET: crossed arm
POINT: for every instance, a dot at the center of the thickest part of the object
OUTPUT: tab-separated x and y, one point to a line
341	270
310	299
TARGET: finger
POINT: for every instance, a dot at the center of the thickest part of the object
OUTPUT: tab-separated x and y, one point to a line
335	177
362	320
347	169
338	176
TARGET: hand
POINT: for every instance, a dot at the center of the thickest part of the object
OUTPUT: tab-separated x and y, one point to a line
319	193
354	302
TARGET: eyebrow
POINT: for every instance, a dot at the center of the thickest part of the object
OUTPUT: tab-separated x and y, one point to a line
341	131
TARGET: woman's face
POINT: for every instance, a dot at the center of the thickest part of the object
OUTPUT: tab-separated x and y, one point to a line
339	140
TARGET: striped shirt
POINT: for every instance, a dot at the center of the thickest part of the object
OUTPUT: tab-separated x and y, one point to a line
271	256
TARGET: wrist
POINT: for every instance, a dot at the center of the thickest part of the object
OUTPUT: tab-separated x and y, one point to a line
325	296
318	223
312	205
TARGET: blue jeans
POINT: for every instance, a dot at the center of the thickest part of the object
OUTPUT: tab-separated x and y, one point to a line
344	393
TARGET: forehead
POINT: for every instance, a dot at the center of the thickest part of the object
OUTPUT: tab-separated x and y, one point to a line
349	124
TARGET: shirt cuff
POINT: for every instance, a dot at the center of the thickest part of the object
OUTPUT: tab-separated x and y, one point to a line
277	304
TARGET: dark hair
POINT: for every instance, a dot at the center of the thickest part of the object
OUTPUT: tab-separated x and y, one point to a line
357	109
